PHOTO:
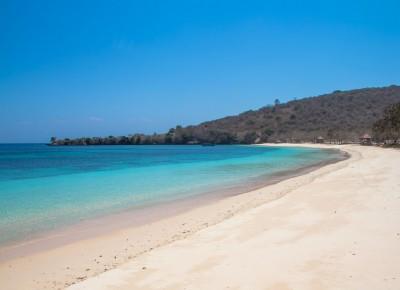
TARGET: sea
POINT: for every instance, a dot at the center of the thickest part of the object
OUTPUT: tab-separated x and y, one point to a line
43	188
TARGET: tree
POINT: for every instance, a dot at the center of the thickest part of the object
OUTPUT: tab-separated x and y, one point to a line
277	102
249	138
266	134
138	140
387	129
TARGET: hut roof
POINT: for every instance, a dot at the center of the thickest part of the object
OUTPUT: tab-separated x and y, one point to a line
320	138
366	136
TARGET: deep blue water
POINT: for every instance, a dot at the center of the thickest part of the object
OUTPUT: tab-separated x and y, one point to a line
43	188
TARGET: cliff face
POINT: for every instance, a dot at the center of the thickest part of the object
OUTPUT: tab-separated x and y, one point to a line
341	115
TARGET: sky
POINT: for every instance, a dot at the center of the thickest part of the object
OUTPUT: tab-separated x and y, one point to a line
99	68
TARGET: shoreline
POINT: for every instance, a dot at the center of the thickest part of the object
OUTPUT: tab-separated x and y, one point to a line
74	263
144	214
334	228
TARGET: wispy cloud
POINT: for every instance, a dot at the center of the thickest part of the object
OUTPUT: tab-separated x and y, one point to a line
95	119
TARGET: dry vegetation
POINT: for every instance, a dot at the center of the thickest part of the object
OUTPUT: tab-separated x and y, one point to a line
342	116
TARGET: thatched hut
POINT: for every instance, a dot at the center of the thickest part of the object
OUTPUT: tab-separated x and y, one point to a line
366	139
320	140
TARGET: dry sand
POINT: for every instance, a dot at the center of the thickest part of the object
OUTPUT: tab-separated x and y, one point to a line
337	227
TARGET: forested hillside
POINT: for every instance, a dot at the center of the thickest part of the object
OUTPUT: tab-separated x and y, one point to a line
341	115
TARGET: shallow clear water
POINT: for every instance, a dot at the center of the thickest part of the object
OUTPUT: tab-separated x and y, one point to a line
43	188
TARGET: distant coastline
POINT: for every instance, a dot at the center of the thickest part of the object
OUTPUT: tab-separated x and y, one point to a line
338	118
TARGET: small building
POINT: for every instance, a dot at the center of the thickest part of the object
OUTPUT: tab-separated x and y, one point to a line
366	139
193	142
320	140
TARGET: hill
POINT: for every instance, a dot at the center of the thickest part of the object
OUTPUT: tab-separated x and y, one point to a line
341	115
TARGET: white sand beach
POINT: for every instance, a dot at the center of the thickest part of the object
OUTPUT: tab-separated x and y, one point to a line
337	227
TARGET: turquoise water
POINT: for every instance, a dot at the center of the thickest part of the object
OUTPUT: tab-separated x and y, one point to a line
43	188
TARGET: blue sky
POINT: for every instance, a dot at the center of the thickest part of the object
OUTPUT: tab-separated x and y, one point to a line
94	68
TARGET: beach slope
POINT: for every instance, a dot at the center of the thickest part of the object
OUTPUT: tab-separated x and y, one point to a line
337	227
